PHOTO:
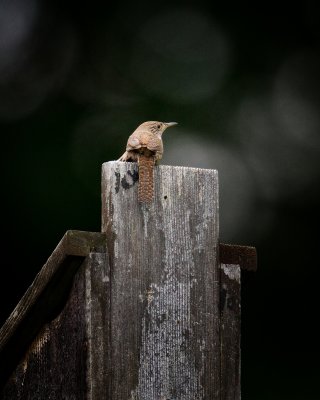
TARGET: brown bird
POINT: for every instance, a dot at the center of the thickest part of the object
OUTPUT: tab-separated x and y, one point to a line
145	146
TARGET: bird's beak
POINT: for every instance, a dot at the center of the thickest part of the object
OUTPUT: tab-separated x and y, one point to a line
167	124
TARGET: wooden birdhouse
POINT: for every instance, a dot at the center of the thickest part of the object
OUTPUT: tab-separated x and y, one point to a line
146	309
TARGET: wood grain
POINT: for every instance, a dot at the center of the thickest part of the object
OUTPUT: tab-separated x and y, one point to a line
230	306
46	296
68	357
97	311
54	365
147	310
164	332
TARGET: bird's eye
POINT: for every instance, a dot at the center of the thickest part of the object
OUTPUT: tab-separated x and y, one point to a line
159	126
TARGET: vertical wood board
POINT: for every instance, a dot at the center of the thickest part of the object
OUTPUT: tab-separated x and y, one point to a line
164	328
230	304
54	366
97	311
68	358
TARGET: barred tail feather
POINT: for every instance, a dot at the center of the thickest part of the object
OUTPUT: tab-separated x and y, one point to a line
146	179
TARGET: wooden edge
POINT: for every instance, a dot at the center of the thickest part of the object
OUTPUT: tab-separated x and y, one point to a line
46	296
81	243
74	243
230	331
245	256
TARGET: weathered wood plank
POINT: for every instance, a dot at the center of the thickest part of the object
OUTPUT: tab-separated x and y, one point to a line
54	365
97	310
67	359
165	339
45	297
245	256
230	307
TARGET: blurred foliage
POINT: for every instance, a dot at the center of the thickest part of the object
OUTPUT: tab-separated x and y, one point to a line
77	78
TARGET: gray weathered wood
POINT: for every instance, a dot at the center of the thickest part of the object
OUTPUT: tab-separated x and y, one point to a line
97	311
54	365
230	306
147	310
165	320
45	297
67	359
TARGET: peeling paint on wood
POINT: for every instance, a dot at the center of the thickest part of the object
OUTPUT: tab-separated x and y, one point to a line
231	271
165	341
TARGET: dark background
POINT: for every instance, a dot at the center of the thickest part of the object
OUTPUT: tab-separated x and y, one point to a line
76	79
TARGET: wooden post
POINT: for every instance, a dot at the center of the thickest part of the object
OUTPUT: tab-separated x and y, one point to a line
232	259
164	340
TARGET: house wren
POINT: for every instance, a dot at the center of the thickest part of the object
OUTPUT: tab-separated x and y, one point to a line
145	146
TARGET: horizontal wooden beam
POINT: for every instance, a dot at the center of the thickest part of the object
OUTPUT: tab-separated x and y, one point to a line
245	256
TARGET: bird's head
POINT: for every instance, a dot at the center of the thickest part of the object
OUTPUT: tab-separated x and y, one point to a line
156	127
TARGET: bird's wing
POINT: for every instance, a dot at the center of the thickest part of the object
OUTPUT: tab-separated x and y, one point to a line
133	143
154	143
141	139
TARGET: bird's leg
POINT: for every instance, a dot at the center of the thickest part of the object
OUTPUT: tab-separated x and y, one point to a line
124	157
128	156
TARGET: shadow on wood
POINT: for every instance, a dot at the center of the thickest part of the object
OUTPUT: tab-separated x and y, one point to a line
46	297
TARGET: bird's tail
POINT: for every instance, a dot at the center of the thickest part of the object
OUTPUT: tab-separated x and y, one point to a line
146	179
